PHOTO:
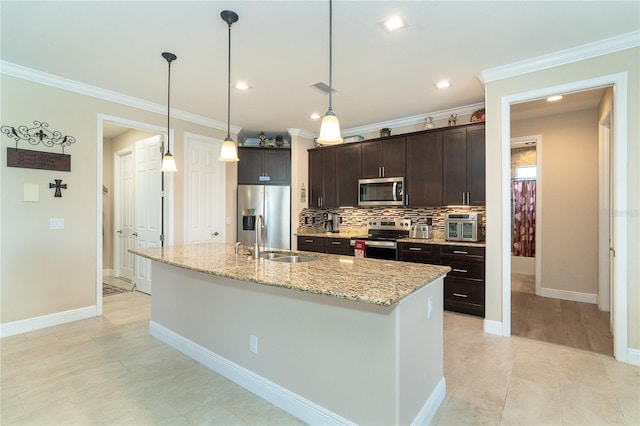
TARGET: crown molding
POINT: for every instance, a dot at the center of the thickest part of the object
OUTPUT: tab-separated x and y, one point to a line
562	57
302	133
413	120
19	71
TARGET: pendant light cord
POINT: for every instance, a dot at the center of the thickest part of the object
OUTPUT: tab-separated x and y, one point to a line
229	88
168	108
330	54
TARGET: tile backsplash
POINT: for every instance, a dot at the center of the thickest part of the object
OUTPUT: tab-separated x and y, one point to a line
357	217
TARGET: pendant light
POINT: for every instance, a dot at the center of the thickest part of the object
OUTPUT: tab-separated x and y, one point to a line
168	162
228	151
330	127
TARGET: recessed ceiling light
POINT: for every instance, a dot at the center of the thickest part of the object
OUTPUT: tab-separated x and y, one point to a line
314	116
443	84
242	86
394	23
554	98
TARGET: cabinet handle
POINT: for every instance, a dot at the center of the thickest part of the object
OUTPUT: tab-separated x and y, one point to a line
468	198
463	199
460	295
459	252
415	248
460	270
308	241
382	171
336	243
407	200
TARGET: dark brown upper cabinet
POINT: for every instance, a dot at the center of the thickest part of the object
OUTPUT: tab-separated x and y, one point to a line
424	169
348	171
264	166
463	165
322	178
383	157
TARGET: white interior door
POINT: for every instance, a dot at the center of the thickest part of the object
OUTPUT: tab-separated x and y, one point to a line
205	190
124	214
148	161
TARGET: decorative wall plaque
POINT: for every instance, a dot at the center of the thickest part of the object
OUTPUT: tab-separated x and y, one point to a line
38	134
28	159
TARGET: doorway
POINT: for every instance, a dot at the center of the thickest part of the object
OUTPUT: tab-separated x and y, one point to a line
117	139
619	189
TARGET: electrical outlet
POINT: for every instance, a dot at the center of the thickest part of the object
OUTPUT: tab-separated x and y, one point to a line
253	344
429	306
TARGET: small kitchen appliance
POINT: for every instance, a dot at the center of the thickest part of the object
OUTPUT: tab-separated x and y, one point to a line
381	241
381	192
420	231
464	227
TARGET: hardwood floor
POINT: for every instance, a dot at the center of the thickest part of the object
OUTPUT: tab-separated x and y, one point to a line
574	324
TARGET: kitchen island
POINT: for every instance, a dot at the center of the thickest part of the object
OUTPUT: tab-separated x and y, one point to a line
335	340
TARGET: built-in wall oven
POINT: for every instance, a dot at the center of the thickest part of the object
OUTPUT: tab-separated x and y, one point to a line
381	241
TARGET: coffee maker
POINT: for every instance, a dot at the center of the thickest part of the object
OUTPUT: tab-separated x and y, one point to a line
331	222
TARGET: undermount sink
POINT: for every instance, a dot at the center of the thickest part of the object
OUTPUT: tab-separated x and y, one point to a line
271	255
292	259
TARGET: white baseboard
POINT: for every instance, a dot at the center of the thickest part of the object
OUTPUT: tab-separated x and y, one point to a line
107	272
633	356
282	398
493	327
574	296
430	407
44	321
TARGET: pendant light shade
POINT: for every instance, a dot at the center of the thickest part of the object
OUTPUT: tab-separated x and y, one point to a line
228	151
168	162
330	126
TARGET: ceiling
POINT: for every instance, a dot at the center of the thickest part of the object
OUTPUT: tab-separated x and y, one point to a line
280	48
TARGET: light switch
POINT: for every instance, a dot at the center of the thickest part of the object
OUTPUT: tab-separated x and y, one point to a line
56	223
31	192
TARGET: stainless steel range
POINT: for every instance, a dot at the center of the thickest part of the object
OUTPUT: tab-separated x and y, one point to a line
381	241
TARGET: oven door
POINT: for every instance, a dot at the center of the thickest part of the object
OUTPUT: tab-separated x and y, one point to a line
468	230
452	230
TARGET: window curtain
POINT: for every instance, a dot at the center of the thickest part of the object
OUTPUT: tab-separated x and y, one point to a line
524	218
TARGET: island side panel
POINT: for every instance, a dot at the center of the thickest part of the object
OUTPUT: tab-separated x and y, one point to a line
420	350
337	353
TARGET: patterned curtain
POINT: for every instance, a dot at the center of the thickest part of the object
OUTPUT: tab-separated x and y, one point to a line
524	218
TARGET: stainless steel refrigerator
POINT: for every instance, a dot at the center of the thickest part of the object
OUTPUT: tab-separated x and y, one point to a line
274	204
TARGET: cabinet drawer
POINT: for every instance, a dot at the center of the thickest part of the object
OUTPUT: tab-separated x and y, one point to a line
462	269
311	244
463	296
418	253
459	251
339	246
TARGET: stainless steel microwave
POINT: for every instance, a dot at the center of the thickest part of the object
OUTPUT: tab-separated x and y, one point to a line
381	192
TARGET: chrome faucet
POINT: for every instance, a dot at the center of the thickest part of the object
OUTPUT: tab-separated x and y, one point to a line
256	246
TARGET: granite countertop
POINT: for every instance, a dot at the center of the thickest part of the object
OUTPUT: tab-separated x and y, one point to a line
373	281
362	233
441	241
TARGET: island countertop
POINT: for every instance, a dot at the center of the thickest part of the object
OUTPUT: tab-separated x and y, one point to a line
374	281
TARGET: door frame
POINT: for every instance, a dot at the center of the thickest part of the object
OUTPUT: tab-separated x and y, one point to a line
168	207
619	143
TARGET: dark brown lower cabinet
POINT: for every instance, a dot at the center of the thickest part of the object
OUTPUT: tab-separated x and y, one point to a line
325	245
464	286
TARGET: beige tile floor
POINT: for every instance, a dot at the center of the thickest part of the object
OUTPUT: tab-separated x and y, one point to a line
108	370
